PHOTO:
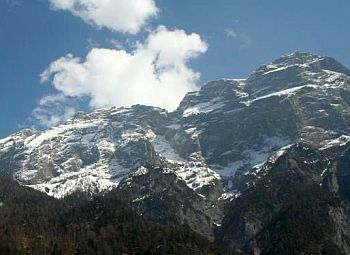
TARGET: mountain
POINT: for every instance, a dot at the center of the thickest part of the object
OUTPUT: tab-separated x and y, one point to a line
238	161
96	152
300	205
33	223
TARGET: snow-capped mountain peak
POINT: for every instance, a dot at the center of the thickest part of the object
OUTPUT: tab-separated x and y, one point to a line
220	133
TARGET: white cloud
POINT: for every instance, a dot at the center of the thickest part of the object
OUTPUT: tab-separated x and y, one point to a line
242	40
13	3
231	33
53	110
91	43
156	73
127	16
117	44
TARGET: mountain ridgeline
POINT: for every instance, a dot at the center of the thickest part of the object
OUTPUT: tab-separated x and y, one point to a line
255	166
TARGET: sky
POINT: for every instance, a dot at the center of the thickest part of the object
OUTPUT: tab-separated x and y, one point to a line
58	57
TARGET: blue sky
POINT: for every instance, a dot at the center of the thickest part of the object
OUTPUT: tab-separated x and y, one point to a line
236	35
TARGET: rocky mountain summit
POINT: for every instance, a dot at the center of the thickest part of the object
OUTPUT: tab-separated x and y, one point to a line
224	144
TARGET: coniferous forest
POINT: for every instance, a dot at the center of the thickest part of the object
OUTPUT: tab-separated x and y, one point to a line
34	223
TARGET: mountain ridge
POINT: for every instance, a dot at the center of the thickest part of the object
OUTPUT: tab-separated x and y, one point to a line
194	162
230	96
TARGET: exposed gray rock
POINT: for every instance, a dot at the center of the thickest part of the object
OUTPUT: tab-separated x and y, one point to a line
289	209
215	146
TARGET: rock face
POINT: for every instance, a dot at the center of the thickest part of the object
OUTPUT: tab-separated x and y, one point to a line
294	206
239	123
183	166
158	195
97	152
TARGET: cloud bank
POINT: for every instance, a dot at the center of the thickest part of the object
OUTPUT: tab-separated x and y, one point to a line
155	73
127	16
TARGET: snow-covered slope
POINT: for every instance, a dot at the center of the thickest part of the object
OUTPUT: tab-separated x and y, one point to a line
93	152
238	124
223	132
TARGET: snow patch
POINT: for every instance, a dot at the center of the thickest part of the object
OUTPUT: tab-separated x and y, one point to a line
275	69
195	175
163	147
286	92
140	171
340	141
253	159
204	108
174	126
